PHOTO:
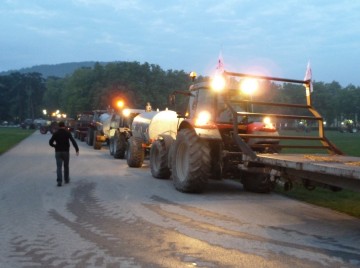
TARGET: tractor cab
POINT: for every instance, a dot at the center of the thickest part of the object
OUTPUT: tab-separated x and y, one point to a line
220	114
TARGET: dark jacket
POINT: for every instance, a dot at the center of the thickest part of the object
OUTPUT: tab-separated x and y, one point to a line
61	139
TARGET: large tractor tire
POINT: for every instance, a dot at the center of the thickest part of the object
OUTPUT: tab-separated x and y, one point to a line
135	153
191	163
43	130
119	145
96	144
111	146
159	157
90	137
256	182
53	127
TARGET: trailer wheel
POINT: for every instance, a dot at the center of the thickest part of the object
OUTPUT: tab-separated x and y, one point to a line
135	153
190	162
159	158
119	145
256	182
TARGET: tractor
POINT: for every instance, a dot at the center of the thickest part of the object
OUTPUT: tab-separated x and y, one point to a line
120	131
207	143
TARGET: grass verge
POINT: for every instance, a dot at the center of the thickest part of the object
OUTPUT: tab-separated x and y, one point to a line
344	201
10	136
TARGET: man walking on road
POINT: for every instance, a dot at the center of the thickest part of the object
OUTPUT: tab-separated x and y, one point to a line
62	155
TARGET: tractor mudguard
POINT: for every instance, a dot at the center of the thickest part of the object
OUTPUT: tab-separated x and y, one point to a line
204	132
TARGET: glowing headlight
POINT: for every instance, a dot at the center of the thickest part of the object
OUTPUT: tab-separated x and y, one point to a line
267	122
249	85
203	118
218	83
120	104
126	112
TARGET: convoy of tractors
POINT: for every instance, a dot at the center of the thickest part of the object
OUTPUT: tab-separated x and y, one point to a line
223	134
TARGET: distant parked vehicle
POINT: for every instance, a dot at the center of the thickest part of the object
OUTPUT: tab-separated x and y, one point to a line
348	125
27	124
302	126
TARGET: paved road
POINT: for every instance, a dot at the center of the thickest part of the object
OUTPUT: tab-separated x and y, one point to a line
114	216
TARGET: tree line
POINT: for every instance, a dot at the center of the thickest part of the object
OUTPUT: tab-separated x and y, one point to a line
26	95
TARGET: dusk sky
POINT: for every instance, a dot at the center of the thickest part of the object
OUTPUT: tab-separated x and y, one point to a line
271	37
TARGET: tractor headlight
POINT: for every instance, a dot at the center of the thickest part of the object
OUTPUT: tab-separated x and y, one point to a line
126	112
203	118
249	86
120	104
267	122
218	83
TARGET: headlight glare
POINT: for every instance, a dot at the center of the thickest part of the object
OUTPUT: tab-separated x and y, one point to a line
203	118
218	83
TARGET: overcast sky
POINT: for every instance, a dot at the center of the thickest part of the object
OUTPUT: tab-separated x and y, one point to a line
270	37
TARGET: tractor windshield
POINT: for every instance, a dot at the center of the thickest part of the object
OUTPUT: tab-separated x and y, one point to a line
223	112
204	99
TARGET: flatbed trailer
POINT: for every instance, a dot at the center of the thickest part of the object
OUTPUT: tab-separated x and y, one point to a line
335	170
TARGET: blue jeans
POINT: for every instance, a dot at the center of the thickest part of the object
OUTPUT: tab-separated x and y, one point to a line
62	157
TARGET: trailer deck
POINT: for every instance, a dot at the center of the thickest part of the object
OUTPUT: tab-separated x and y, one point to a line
337	170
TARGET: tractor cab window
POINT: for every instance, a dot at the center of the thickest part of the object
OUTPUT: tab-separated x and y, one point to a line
223	112
202	101
114	123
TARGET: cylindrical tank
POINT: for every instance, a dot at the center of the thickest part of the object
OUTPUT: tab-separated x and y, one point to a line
103	117
149	125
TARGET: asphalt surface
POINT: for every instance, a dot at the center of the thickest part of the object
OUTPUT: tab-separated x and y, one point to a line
111	215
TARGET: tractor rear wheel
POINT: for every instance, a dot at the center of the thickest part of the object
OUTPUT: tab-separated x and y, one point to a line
256	182
191	162
119	145
159	158
135	153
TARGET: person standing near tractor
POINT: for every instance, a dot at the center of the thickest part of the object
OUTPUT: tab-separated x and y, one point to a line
60	141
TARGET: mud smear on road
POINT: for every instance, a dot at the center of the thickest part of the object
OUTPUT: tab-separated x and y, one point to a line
150	245
210	215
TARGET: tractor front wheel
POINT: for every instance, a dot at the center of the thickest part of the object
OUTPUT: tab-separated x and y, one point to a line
90	137
43	130
96	144
111	146
119	145
191	162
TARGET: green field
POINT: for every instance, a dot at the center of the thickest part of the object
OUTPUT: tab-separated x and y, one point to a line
344	201
10	136
349	143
